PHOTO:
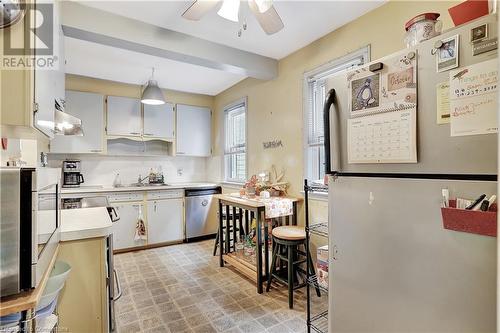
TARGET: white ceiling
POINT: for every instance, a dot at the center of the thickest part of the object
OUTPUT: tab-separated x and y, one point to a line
109	63
305	21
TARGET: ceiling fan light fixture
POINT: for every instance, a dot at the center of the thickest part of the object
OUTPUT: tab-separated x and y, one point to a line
263	5
230	10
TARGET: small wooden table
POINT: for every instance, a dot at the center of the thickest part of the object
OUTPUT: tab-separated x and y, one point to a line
249	209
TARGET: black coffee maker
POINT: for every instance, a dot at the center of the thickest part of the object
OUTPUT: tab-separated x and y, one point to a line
72	176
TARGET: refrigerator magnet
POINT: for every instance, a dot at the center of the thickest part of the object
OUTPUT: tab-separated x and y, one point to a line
447	55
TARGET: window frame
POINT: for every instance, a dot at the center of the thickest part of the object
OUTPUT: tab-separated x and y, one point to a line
320	73
239	102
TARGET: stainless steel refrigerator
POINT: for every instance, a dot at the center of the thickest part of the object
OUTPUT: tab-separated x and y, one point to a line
393	267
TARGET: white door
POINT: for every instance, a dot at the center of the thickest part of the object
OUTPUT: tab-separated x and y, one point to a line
89	107
159	121
124	116
165	221
124	229
194	130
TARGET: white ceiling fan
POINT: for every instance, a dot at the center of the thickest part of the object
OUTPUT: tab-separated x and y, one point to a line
263	10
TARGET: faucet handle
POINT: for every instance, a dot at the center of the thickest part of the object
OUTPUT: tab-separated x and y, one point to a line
139	180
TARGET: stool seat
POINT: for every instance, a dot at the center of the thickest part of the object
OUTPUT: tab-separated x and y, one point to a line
289	232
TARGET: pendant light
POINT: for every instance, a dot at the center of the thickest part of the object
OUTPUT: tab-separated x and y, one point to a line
152	94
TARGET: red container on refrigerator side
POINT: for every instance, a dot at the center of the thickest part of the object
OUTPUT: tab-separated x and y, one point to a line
468	10
470	221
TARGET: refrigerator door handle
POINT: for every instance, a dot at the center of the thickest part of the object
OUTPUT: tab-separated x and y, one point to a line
335	253
332	139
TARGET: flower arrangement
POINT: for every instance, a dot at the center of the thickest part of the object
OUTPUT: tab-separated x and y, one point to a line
254	186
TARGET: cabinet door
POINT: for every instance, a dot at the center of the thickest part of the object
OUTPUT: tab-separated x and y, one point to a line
194	128
89	107
165	221
124	116
124	229
159	121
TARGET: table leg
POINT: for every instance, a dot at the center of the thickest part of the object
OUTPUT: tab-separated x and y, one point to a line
259	252
234	229
295	217
28	321
221	236
228	234
266	246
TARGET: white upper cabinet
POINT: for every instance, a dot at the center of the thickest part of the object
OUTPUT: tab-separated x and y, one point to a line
194	130
49	83
89	107
124	116
159	121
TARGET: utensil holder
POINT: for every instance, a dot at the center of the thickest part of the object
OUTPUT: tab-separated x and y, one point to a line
470	221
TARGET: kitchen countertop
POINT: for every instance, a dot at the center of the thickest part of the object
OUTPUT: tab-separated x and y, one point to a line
85	223
103	189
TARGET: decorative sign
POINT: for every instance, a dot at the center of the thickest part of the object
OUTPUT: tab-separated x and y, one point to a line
474	99
484	46
272	144
399	80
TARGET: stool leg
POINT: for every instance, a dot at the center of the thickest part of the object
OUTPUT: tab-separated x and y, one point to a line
273	269
216	242
290	277
313	272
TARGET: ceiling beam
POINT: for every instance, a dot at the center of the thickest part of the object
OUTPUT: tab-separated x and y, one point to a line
94	25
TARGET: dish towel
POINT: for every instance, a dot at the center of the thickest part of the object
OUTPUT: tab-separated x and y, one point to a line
140	227
278	207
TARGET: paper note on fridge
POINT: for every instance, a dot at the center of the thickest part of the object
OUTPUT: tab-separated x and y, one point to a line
473	99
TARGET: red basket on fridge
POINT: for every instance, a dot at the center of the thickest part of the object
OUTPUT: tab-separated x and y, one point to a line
470	221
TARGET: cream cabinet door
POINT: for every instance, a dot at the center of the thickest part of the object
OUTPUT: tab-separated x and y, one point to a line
194	130
159	121
89	107
123	116
165	221
124	229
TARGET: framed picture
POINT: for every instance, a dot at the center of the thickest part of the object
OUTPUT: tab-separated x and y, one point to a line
479	33
447	55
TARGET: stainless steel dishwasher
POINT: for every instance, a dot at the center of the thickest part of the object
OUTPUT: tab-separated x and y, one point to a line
201	213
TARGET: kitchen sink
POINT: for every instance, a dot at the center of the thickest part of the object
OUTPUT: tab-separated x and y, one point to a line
147	184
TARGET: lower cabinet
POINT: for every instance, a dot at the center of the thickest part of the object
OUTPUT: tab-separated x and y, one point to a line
83	302
124	229
165	221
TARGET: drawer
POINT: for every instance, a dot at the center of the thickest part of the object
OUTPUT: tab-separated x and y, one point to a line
165	194
125	196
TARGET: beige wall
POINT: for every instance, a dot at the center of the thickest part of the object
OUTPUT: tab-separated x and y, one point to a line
81	83
275	108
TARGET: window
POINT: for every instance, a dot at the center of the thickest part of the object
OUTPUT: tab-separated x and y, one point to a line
235	166
315	89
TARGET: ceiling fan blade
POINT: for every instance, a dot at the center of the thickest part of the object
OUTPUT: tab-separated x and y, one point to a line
270	21
198	9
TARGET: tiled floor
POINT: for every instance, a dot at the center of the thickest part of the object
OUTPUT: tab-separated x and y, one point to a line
181	288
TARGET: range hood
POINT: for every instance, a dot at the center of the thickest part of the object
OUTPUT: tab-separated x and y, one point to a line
64	123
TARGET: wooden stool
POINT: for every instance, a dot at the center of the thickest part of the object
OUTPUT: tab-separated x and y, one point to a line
286	240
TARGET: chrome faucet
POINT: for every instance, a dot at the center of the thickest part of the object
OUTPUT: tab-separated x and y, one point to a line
140	180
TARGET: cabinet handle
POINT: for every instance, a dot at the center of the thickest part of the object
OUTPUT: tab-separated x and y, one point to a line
134	133
180	153
148	134
96	150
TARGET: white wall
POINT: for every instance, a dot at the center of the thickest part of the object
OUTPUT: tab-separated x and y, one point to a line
101	170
